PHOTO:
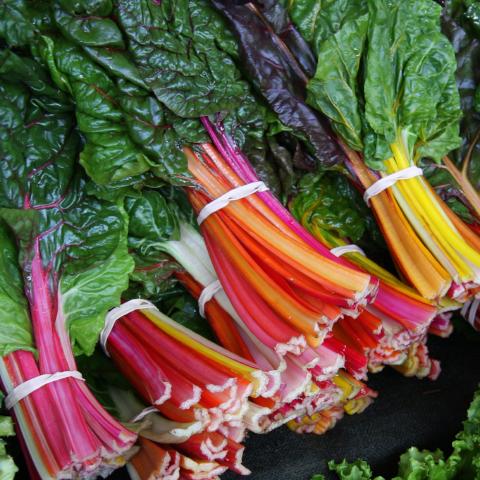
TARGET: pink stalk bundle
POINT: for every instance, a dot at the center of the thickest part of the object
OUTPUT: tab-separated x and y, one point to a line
64	431
190	381
390	327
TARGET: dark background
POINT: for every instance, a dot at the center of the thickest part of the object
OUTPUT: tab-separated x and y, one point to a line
407	412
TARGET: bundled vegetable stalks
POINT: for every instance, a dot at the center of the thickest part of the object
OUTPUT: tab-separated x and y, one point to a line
70	246
409	110
320	392
251	244
206	392
393	326
306	376
269	25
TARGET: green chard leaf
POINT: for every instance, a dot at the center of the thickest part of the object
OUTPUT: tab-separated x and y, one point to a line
127	130
179	49
87	23
317	21
326	203
79	242
16	331
465	39
22	20
334	89
384	83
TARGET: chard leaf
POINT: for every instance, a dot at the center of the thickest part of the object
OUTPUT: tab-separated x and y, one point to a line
279	78
152	221
15	333
334	89
420	95
87	27
329	205
128	132
465	39
317	21
328	201
21	20
78	242
87	294
179	49
407	85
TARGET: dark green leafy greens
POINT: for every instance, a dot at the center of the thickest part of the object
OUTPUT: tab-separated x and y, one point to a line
76	241
153	226
328	204
278	75
462	28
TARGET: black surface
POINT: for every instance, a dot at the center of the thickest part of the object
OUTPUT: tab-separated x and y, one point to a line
408	412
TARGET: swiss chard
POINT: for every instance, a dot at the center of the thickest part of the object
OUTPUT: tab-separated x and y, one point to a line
72	253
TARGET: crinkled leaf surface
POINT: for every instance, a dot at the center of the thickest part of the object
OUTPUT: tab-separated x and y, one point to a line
408	81
279	76
81	241
181	48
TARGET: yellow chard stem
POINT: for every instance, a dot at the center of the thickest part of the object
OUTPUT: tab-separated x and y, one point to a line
431	222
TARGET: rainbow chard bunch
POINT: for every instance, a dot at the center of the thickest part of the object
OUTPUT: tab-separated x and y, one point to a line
308	376
68	266
205	394
405	317
325	204
395	119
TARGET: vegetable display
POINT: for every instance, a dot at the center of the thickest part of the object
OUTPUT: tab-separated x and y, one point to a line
248	232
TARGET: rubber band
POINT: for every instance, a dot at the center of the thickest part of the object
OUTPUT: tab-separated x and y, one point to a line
207	294
223	200
29	386
118	312
469	311
146	411
342	250
389	180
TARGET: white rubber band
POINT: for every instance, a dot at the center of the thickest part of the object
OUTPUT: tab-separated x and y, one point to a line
115	313
339	251
207	294
386	182
469	311
235	194
26	388
146	411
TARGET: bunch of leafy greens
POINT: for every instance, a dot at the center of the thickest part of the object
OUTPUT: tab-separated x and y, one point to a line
79	242
462	464
374	79
151	69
